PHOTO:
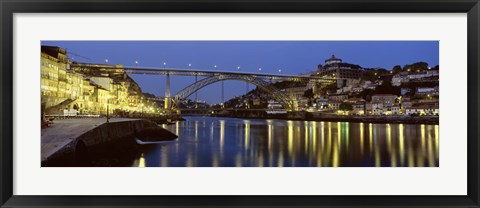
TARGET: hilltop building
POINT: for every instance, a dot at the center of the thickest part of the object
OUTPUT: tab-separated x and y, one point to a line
343	72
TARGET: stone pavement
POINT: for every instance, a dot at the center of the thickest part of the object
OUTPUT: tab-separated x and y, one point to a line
62	132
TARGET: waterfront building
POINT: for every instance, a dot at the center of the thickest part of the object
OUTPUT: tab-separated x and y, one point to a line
421	75
85	101
334	105
272	104
368	108
296	92
405	102
357	89
354	100
102	99
377	108
345	89
303	102
53	76
371	86
104	82
322	103
359	107
398	79
118	96
386	100
338	98
67	90
74	85
427	91
275	108
422	110
392	110
395	109
257	101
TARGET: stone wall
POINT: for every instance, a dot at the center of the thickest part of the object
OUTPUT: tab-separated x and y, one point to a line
103	135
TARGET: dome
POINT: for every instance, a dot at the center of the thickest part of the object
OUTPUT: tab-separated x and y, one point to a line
333	60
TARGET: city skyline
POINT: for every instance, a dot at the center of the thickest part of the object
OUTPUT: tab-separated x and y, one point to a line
344	113
291	57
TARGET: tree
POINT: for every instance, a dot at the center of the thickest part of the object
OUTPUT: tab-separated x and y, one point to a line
345	106
148	95
373	73
367	94
416	67
232	103
387	88
331	88
396	69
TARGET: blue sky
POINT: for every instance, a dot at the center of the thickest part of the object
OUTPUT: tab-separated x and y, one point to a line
292	57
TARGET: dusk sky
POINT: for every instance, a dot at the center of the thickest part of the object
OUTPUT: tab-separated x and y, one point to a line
292	57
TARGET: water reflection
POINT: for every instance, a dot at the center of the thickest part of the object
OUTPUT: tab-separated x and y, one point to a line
230	142
140	162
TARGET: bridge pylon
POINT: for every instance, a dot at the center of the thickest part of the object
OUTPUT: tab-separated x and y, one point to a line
168	97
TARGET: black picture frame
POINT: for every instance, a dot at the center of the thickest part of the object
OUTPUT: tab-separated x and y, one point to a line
10	7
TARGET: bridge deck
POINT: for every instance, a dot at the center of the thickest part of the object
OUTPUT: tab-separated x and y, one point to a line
197	72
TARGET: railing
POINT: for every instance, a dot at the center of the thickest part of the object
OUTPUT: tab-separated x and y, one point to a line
60	117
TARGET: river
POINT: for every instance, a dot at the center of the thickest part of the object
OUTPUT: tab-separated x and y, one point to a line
234	142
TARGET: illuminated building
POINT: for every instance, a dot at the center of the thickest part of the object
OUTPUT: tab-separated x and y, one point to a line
359	107
422	110
296	92
343	72
53	76
87	90
387	100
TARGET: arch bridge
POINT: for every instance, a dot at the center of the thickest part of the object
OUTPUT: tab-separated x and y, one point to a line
262	80
252	79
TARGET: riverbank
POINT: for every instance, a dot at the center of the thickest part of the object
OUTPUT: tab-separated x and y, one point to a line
318	116
73	142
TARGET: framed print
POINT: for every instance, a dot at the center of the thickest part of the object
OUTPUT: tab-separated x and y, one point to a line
248	104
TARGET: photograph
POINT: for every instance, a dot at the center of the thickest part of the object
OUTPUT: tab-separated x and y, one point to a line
239	103
275	103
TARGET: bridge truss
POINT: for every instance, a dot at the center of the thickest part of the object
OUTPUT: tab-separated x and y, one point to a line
266	86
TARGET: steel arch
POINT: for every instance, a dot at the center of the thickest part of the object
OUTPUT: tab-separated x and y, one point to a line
277	94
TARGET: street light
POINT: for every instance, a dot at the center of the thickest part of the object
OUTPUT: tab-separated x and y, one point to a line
279	71
190	66
215	67
106	60
108	103
259	69
238	67
164	64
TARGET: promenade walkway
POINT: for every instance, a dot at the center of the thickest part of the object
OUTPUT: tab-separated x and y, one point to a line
62	132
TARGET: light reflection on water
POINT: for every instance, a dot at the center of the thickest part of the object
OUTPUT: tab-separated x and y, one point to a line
232	142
